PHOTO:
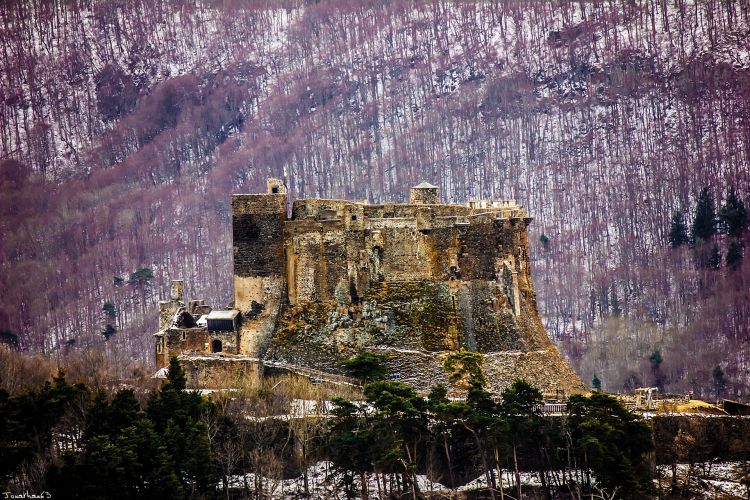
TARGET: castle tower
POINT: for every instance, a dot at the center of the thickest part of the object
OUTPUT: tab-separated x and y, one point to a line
424	194
258	249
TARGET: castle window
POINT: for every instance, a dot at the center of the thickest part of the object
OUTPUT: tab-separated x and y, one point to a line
354	217
160	346
184	336
275	190
216	346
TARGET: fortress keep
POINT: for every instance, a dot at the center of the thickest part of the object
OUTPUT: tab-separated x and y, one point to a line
413	281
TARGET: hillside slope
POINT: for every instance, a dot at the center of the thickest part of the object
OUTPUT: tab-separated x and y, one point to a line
125	127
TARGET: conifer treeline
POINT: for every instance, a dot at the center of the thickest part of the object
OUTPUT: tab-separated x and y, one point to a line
77	443
124	129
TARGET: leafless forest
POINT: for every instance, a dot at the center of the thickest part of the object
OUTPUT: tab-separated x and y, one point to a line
125	127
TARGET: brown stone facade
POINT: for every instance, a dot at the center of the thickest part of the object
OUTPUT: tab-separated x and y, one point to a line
187	329
413	281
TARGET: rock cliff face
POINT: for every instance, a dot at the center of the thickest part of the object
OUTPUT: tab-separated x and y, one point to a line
412	281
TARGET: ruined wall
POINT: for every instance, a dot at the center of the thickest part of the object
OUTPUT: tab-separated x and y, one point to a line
212	372
415	281
174	341
168	308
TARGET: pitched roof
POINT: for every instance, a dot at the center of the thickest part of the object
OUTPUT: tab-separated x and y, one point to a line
161	373
424	185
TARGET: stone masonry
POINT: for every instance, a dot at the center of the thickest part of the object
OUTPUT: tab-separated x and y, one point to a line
412	281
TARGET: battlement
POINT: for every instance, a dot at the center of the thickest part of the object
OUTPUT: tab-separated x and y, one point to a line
330	210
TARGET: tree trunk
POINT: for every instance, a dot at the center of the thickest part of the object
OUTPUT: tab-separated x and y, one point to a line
448	457
499	473
518	474
363	485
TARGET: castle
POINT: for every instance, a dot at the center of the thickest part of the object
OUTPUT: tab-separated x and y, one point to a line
413	281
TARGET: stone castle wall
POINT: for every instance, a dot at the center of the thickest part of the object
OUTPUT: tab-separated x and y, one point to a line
414	281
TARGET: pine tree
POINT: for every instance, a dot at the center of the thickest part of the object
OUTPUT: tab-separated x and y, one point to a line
366	367
734	255
108	331
521	409
109	310
714	259
678	232
544	239
720	381
596	383
656	360
704	223
733	217
176	375
463	365
612	442
177	416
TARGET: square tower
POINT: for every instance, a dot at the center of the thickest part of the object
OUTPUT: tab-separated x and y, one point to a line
424	194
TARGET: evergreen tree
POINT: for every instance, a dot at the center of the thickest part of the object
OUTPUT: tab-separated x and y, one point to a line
177	416
596	383
521	408
141	276
28	421
442	412
544	239
464	364
714	259
678	232
104	418
366	367
612	442
656	360
734	255
133	463
400	422
704	222
733	217
351	444
109	310
720	381
108	331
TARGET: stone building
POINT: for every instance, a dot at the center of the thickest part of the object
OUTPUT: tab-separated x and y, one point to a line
413	281
193	328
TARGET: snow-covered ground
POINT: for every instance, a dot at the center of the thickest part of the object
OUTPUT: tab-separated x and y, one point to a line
714	481
324	482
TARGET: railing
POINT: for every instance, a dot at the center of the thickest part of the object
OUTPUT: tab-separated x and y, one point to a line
554	408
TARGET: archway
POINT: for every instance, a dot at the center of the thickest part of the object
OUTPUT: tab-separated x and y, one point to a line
216	346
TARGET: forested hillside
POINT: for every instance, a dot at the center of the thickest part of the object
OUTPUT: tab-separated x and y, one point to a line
125	127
